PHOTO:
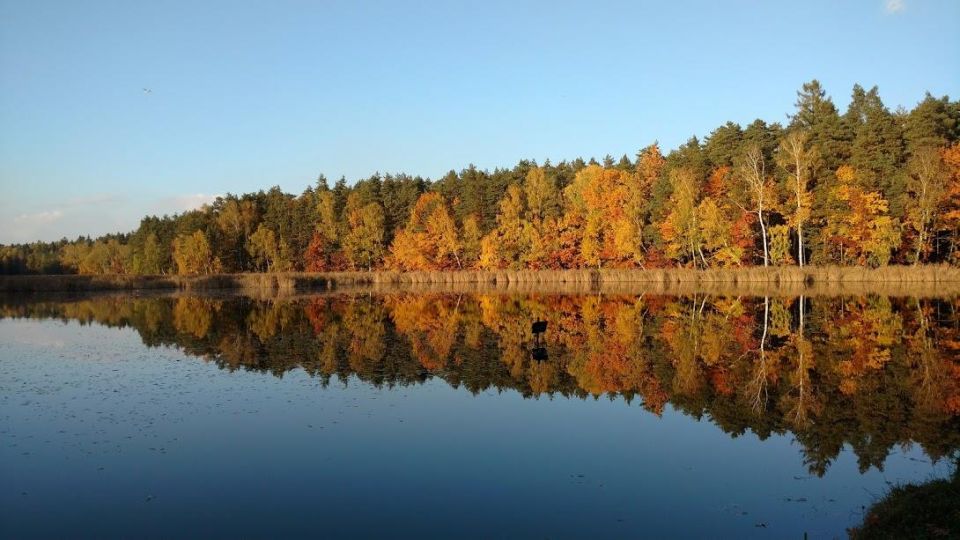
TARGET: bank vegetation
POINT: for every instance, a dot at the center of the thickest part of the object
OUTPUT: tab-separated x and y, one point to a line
925	280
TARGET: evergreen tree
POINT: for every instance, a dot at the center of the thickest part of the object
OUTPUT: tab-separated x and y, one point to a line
723	145
877	151
932	123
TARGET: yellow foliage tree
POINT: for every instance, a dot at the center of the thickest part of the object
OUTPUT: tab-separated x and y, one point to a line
192	254
715	231
797	159
268	252
597	199
859	229
681	228
472	237
927	194
430	240
363	242
506	246
780	246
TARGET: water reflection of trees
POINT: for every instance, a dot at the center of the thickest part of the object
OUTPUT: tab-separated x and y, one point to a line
869	372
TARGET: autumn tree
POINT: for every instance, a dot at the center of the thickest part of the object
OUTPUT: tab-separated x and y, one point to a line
327	222
796	158
106	257
650	165
236	219
681	229
816	114
926	189
859	228
718	229
752	172
780	246
71	255
950	213
541	217
193	255
505	246
150	260
317	257
445	238
430	240
472	239
714	232
542	197
323	253
597	199
269	252
725	229
363	242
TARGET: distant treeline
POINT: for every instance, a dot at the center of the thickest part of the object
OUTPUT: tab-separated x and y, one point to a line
868	187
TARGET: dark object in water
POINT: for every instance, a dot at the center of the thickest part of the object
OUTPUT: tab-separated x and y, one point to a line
539	352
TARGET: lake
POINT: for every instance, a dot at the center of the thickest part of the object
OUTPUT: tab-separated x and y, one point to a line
446	415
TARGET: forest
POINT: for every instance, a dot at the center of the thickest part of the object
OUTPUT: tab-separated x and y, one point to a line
866	187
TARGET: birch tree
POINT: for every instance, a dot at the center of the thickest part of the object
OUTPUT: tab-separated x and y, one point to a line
926	187
752	171
796	158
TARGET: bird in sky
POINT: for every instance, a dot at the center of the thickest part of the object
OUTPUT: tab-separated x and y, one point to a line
147	91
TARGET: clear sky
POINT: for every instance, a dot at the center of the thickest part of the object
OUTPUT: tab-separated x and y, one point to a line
245	95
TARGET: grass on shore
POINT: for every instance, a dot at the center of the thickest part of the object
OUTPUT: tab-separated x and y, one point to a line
928	510
940	278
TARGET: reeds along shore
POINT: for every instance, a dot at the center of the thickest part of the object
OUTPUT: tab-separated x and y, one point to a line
894	280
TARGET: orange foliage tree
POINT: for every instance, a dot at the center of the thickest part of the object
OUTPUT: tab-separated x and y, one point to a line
948	225
597	201
859	230
430	240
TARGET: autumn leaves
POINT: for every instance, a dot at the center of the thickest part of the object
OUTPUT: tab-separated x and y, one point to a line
757	211
592	222
869	187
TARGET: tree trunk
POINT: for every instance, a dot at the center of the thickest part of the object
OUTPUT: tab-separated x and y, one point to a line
760	379
799	190
766	323
800	243
763	232
801	316
919	247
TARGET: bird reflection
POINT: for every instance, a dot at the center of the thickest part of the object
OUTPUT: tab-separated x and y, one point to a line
539	352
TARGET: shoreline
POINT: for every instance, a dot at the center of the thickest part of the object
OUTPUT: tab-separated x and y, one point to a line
940	280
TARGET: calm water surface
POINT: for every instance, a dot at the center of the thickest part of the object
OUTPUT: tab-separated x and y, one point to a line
444	415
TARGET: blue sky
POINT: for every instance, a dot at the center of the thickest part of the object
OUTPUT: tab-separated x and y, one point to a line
246	95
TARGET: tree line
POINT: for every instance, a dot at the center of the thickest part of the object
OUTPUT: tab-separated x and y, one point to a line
867	187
